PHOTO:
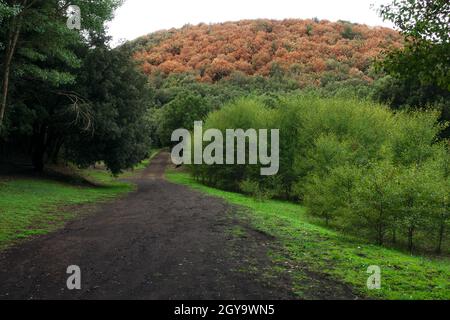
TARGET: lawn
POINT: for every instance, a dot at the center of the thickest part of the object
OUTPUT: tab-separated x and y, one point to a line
31	206
36	206
321	250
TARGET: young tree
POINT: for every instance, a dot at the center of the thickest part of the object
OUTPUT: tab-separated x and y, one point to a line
440	220
375	200
181	112
442	213
420	199
331	196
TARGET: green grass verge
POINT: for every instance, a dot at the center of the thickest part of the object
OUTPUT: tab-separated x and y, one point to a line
31	206
342	258
36	206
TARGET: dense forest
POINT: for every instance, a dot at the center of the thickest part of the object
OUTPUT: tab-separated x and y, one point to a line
362	110
312	51
66	95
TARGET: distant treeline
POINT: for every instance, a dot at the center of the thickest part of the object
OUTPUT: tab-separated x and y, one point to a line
311	51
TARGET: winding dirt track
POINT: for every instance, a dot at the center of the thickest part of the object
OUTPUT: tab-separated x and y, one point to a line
162	241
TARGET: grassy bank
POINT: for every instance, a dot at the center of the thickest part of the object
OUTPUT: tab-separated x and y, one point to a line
346	259
35	206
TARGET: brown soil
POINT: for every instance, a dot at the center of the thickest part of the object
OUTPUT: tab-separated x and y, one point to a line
163	241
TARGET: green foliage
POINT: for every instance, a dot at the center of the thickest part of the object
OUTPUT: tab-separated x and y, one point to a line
330	197
181	112
179	99
420	19
46	46
118	100
70	96
342	258
373	206
253	189
414	138
244	114
421	69
355	164
348	32
409	94
7	11
422	61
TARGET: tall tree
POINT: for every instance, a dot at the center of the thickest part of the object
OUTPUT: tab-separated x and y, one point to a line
118	99
425	25
36	30
420	70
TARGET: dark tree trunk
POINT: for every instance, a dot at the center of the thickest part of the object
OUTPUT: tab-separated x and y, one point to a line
440	238
410	239
55	155
380	228
380	236
39	148
38	159
13	37
55	151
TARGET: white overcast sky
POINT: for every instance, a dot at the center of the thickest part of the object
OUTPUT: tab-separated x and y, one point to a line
139	17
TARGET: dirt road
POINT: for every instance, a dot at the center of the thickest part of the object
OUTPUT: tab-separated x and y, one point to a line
162	241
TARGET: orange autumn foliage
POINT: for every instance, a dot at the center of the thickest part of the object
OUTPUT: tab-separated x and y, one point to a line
304	47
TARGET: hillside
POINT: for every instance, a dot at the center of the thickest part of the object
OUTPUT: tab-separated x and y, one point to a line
311	51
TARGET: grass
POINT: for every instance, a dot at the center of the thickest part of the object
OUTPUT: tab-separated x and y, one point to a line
36	206
330	253
31	206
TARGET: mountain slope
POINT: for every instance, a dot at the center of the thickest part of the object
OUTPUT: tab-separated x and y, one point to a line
311	51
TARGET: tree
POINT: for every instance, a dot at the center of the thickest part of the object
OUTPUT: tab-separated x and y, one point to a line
216	52
420	199
441	185
6	11
15	25
118	99
331	197
44	37
375	200
420	19
421	69
181	112
69	93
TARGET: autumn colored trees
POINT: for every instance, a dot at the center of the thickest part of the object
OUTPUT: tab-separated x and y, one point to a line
306	49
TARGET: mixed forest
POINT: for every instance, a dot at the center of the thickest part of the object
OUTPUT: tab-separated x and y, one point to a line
363	111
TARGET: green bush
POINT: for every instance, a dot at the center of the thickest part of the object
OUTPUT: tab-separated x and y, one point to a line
355	164
253	189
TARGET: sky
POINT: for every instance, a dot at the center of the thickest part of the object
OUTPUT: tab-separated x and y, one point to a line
140	17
